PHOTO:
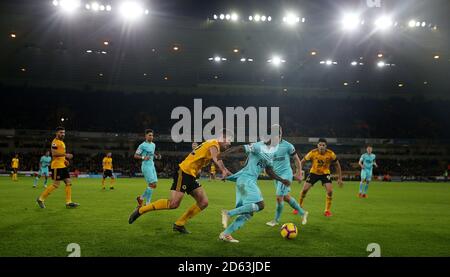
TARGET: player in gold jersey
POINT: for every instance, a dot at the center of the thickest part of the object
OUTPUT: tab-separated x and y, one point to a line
108	170
212	172
321	159
184	181
60	172
15	167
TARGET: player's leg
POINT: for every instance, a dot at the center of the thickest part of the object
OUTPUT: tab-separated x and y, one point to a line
147	195
69	203
103	181
294	204
41	199
238	223
151	180
36	179
201	202
247	206
280	192
366	186
249	200
329	197
306	187
112	181
362	183
278	211
161	204
46	178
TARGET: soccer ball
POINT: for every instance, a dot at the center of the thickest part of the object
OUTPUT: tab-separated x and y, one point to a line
289	231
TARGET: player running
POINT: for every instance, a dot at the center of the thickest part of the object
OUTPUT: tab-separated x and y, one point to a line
321	159
15	167
146	153
366	162
282	167
60	172
184	181
44	162
248	195
107	164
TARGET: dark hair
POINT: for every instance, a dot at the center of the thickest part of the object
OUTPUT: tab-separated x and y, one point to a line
322	140
59	128
369	145
148	131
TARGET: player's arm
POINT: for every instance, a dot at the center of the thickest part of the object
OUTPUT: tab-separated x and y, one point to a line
56	153
218	161
298	167
360	163
339	172
157	156
138	155
274	176
232	150
375	164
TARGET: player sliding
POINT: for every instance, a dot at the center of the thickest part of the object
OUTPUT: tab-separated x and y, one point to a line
146	153
107	165
43	169
366	162
60	171
184	181
321	159
282	167
248	195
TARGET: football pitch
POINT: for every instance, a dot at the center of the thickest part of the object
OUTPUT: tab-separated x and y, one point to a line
404	219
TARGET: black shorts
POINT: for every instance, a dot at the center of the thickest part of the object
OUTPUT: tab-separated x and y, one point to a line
107	173
15	170
59	174
184	182
313	178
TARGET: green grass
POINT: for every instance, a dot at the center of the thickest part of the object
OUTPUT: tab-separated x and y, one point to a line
405	219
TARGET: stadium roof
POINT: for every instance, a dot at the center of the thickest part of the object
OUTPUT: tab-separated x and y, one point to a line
186	44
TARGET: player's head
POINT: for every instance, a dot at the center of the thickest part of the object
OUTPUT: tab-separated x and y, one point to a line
60	132
149	135
17	155
109	154
225	138
369	149
194	145
322	145
47	153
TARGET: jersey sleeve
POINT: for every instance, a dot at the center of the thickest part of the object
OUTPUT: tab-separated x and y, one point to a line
362	158
308	156
252	148
291	150
139	150
333	156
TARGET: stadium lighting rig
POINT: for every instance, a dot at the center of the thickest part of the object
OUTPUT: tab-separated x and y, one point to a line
328	62
217	59
68	6
260	18
291	19
355	63
384	22
276	61
227	16
351	21
132	11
